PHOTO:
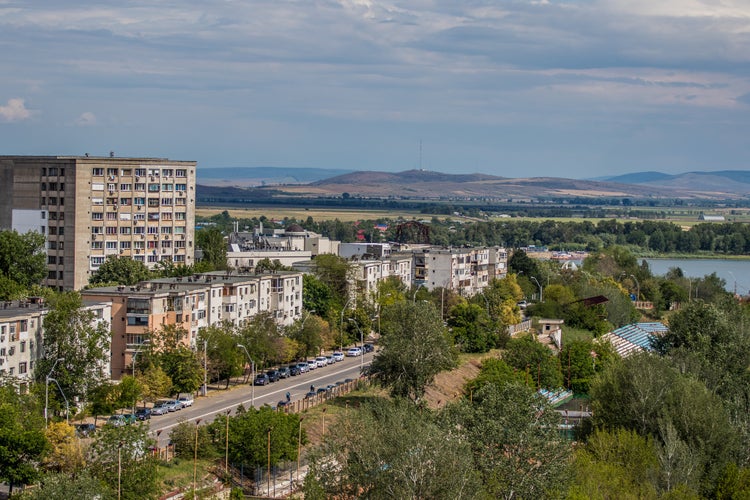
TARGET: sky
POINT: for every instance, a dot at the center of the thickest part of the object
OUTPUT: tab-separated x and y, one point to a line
577	88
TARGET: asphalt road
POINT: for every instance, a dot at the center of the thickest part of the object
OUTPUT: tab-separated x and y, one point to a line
219	401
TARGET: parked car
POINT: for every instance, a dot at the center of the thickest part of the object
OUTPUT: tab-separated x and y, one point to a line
160	408
173	405
116	420
312	364
261	379
353	352
185	399
143	414
273	375
284	372
322	390
338	356
368	348
294	370
330	359
522	304
303	367
321	361
85	430
311	395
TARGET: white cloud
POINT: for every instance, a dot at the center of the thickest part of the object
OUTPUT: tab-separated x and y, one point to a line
15	111
86	119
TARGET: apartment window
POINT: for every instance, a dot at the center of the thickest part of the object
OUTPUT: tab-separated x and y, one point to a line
62	186
125	230
126	187
153	188
179	244
96	245
167	172
97	216
179	258
112	171
110	230
53	216
166	187
97	201
97	230
60	231
180	201
53	231
111	245
140	186
153	216
111	215
126	201
166	244
51	259
124	245
126	171
139	230
138	258
153	258
166	216
22	368
154	171
139	245
153	202
22	346
179	229
44	170
51	275
52	171
140	172
153	229
180	216
166	201
97	261
139	201
180	187
152	244
52	200
180	173
166	230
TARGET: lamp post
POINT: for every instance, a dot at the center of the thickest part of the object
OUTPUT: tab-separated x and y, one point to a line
135	357
341	325
67	405
252	374
541	292
46	390
269	463
195	460
226	456
299	446
362	342
414	297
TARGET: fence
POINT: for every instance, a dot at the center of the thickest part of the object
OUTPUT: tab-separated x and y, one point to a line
523	326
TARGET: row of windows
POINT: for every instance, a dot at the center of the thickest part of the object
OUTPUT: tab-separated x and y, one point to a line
53	172
138	172
138	186
127	230
138	245
52	200
153	216
138	201
97	261
53	186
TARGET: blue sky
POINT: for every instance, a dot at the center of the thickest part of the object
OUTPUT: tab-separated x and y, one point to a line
512	88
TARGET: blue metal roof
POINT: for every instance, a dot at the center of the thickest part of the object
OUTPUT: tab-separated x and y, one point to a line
640	334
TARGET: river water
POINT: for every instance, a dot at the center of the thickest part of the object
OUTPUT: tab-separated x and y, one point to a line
734	272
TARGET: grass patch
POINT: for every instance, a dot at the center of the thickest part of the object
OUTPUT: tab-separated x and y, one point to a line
318	214
179	474
570	334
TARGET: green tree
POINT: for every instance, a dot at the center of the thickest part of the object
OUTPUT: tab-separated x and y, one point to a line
23	262
183	436
248	436
535	359
414	348
413	456
515	442
72	336
22	440
317	296
308	333
121	454
118	270
581	360
61	486
183	368
335	272
473	329
495	371
262	338
225	360
155	383
211	242
520	262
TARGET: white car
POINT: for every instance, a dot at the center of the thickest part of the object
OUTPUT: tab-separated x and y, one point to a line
321	361
338	356
312	364
186	400
353	352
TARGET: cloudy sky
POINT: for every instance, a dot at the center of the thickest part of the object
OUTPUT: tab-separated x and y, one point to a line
577	88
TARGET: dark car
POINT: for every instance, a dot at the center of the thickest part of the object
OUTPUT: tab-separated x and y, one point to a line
273	375
261	379
294	370
322	390
143	414
85	430
368	348
311	395
284	372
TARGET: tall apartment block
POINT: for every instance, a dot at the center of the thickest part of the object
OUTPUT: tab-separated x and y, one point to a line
91	207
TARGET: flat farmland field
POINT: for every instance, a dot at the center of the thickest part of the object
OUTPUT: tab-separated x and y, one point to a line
318	214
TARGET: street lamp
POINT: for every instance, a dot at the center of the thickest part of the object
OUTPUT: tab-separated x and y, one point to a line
414	297
46	390
362	341
341	325
299	446
135	357
252	382
541	292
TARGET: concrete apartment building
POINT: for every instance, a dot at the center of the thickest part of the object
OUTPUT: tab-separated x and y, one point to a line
91	207
192	303
22	337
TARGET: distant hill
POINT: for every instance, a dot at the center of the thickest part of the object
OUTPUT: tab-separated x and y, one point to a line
263	176
427	185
